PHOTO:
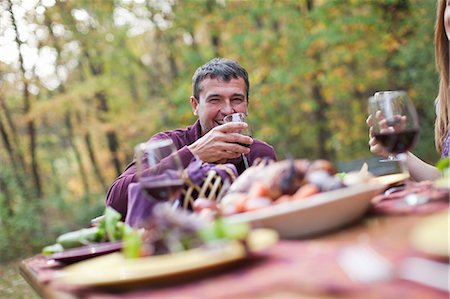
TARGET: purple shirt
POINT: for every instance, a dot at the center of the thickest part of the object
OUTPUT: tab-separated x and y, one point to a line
117	196
446	146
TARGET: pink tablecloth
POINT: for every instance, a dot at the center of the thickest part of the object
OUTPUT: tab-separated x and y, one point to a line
288	269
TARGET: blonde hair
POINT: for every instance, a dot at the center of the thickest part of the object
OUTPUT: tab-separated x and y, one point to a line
442	64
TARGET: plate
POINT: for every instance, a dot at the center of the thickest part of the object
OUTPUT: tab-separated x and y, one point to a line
85	252
431	235
316	214
115	270
392	179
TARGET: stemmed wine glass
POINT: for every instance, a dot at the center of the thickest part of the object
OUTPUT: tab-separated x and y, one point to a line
394	123
239	117
159	169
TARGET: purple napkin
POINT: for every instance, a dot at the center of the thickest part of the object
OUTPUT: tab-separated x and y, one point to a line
140	205
197	171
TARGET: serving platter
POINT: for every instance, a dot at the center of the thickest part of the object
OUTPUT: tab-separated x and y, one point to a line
114	270
315	214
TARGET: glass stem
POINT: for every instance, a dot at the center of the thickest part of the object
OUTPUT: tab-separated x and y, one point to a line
245	161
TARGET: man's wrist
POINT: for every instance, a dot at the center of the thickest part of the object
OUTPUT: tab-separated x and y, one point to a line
186	155
192	148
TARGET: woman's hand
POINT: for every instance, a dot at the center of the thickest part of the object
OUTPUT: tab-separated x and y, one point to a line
375	147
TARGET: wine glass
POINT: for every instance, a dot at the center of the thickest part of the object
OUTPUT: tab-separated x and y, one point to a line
394	123
159	169
239	117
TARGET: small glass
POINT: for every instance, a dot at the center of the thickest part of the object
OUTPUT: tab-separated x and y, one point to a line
240	117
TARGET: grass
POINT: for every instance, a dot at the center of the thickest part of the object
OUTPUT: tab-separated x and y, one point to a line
12	284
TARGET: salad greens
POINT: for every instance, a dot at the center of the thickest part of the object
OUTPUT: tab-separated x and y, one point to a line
110	228
218	230
166	231
444	181
169	230
443	164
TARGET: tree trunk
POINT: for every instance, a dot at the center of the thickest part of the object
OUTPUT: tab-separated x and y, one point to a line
9	149
321	120
15	144
71	138
90	149
111	136
27	108
14	139
133	87
5	191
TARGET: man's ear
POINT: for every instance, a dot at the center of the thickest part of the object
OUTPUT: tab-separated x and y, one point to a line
194	105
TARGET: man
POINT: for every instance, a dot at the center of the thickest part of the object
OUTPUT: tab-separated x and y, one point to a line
220	87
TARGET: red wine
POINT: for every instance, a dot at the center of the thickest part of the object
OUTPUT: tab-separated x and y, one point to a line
398	142
166	189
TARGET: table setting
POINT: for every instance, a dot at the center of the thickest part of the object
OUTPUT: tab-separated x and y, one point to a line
303	246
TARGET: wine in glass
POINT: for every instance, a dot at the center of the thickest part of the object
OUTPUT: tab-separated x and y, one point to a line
159	169
394	123
239	117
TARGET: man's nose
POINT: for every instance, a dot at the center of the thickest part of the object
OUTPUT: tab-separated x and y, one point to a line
227	108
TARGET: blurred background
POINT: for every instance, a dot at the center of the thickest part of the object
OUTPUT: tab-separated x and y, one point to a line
82	82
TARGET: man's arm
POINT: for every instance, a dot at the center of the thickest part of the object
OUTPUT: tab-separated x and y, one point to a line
117	196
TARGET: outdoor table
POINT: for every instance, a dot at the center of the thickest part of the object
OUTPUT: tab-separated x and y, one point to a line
301	268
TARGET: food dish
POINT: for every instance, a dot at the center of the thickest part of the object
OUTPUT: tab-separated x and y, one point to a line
392	179
85	252
430	236
316	214
115	270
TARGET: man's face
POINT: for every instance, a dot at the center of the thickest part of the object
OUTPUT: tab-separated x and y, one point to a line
218	99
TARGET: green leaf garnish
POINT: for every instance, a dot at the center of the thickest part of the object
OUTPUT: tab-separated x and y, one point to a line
443	164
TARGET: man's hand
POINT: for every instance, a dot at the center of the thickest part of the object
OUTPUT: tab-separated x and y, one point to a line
221	143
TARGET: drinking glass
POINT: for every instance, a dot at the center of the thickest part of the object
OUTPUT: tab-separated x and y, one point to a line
239	117
159	169
395	123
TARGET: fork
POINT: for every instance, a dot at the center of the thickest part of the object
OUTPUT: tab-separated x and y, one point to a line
363	264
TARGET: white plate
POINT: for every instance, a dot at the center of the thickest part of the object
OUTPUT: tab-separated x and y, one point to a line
316	214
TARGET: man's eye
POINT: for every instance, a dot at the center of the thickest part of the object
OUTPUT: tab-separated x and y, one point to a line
237	101
213	101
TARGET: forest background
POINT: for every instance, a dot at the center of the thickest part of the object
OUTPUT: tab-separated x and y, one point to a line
82	82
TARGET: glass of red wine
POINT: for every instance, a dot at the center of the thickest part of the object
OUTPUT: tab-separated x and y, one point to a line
239	117
394	123
159	170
